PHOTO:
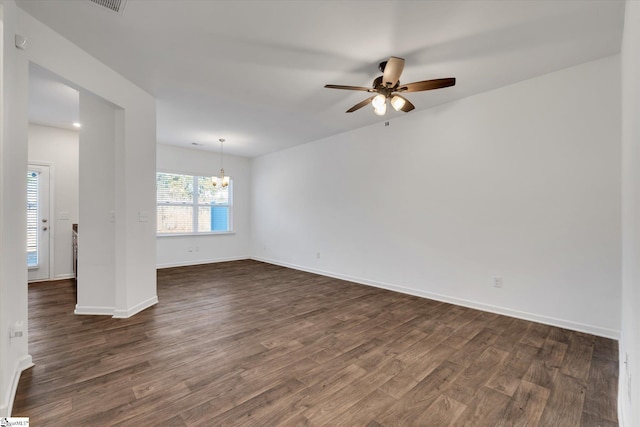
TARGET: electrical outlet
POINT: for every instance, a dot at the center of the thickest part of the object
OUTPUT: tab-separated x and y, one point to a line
497	282
17	330
318	255
143	216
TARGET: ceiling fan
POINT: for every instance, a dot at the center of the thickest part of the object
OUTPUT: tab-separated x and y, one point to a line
388	87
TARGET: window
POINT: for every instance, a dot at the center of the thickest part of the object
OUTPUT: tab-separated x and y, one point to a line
191	204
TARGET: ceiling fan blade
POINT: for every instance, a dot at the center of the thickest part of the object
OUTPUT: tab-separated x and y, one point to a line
427	85
364	89
361	104
407	106
392	71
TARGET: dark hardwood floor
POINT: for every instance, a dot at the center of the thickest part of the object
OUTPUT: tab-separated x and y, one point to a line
248	343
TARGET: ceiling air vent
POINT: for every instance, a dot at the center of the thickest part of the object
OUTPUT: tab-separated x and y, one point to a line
113	5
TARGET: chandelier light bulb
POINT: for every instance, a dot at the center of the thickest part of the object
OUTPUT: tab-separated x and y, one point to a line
222	181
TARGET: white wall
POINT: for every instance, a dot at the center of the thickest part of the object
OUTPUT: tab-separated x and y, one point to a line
522	182
134	183
14	355
629	389
134	147
96	226
59	147
187	250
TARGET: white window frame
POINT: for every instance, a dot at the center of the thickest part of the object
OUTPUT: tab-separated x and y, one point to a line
195	207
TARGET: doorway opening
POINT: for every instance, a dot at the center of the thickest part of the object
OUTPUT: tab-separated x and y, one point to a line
38	224
52	175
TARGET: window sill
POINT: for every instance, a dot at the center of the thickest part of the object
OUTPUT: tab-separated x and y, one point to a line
211	233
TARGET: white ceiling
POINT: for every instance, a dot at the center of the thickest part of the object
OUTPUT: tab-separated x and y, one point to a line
51	101
253	71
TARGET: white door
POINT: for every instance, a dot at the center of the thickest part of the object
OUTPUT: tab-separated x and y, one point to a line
38	224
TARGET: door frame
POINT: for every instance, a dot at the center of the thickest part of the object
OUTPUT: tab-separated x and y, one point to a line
50	218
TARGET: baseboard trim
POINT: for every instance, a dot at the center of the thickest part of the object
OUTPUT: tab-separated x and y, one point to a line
200	262
54	279
552	321
123	314
621	411
94	311
25	363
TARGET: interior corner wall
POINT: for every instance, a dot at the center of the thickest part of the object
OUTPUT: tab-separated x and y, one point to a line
14	355
97	211
59	147
629	372
175	251
521	183
135	157
135	141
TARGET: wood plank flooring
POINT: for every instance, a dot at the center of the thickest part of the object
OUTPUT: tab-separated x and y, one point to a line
251	344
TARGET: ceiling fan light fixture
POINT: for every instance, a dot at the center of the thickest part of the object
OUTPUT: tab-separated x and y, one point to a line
379	101
388	85
397	103
382	110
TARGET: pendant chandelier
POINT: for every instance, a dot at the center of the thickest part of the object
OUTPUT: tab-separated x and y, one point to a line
221	181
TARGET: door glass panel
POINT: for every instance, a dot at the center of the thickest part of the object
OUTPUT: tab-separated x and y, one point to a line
32	219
